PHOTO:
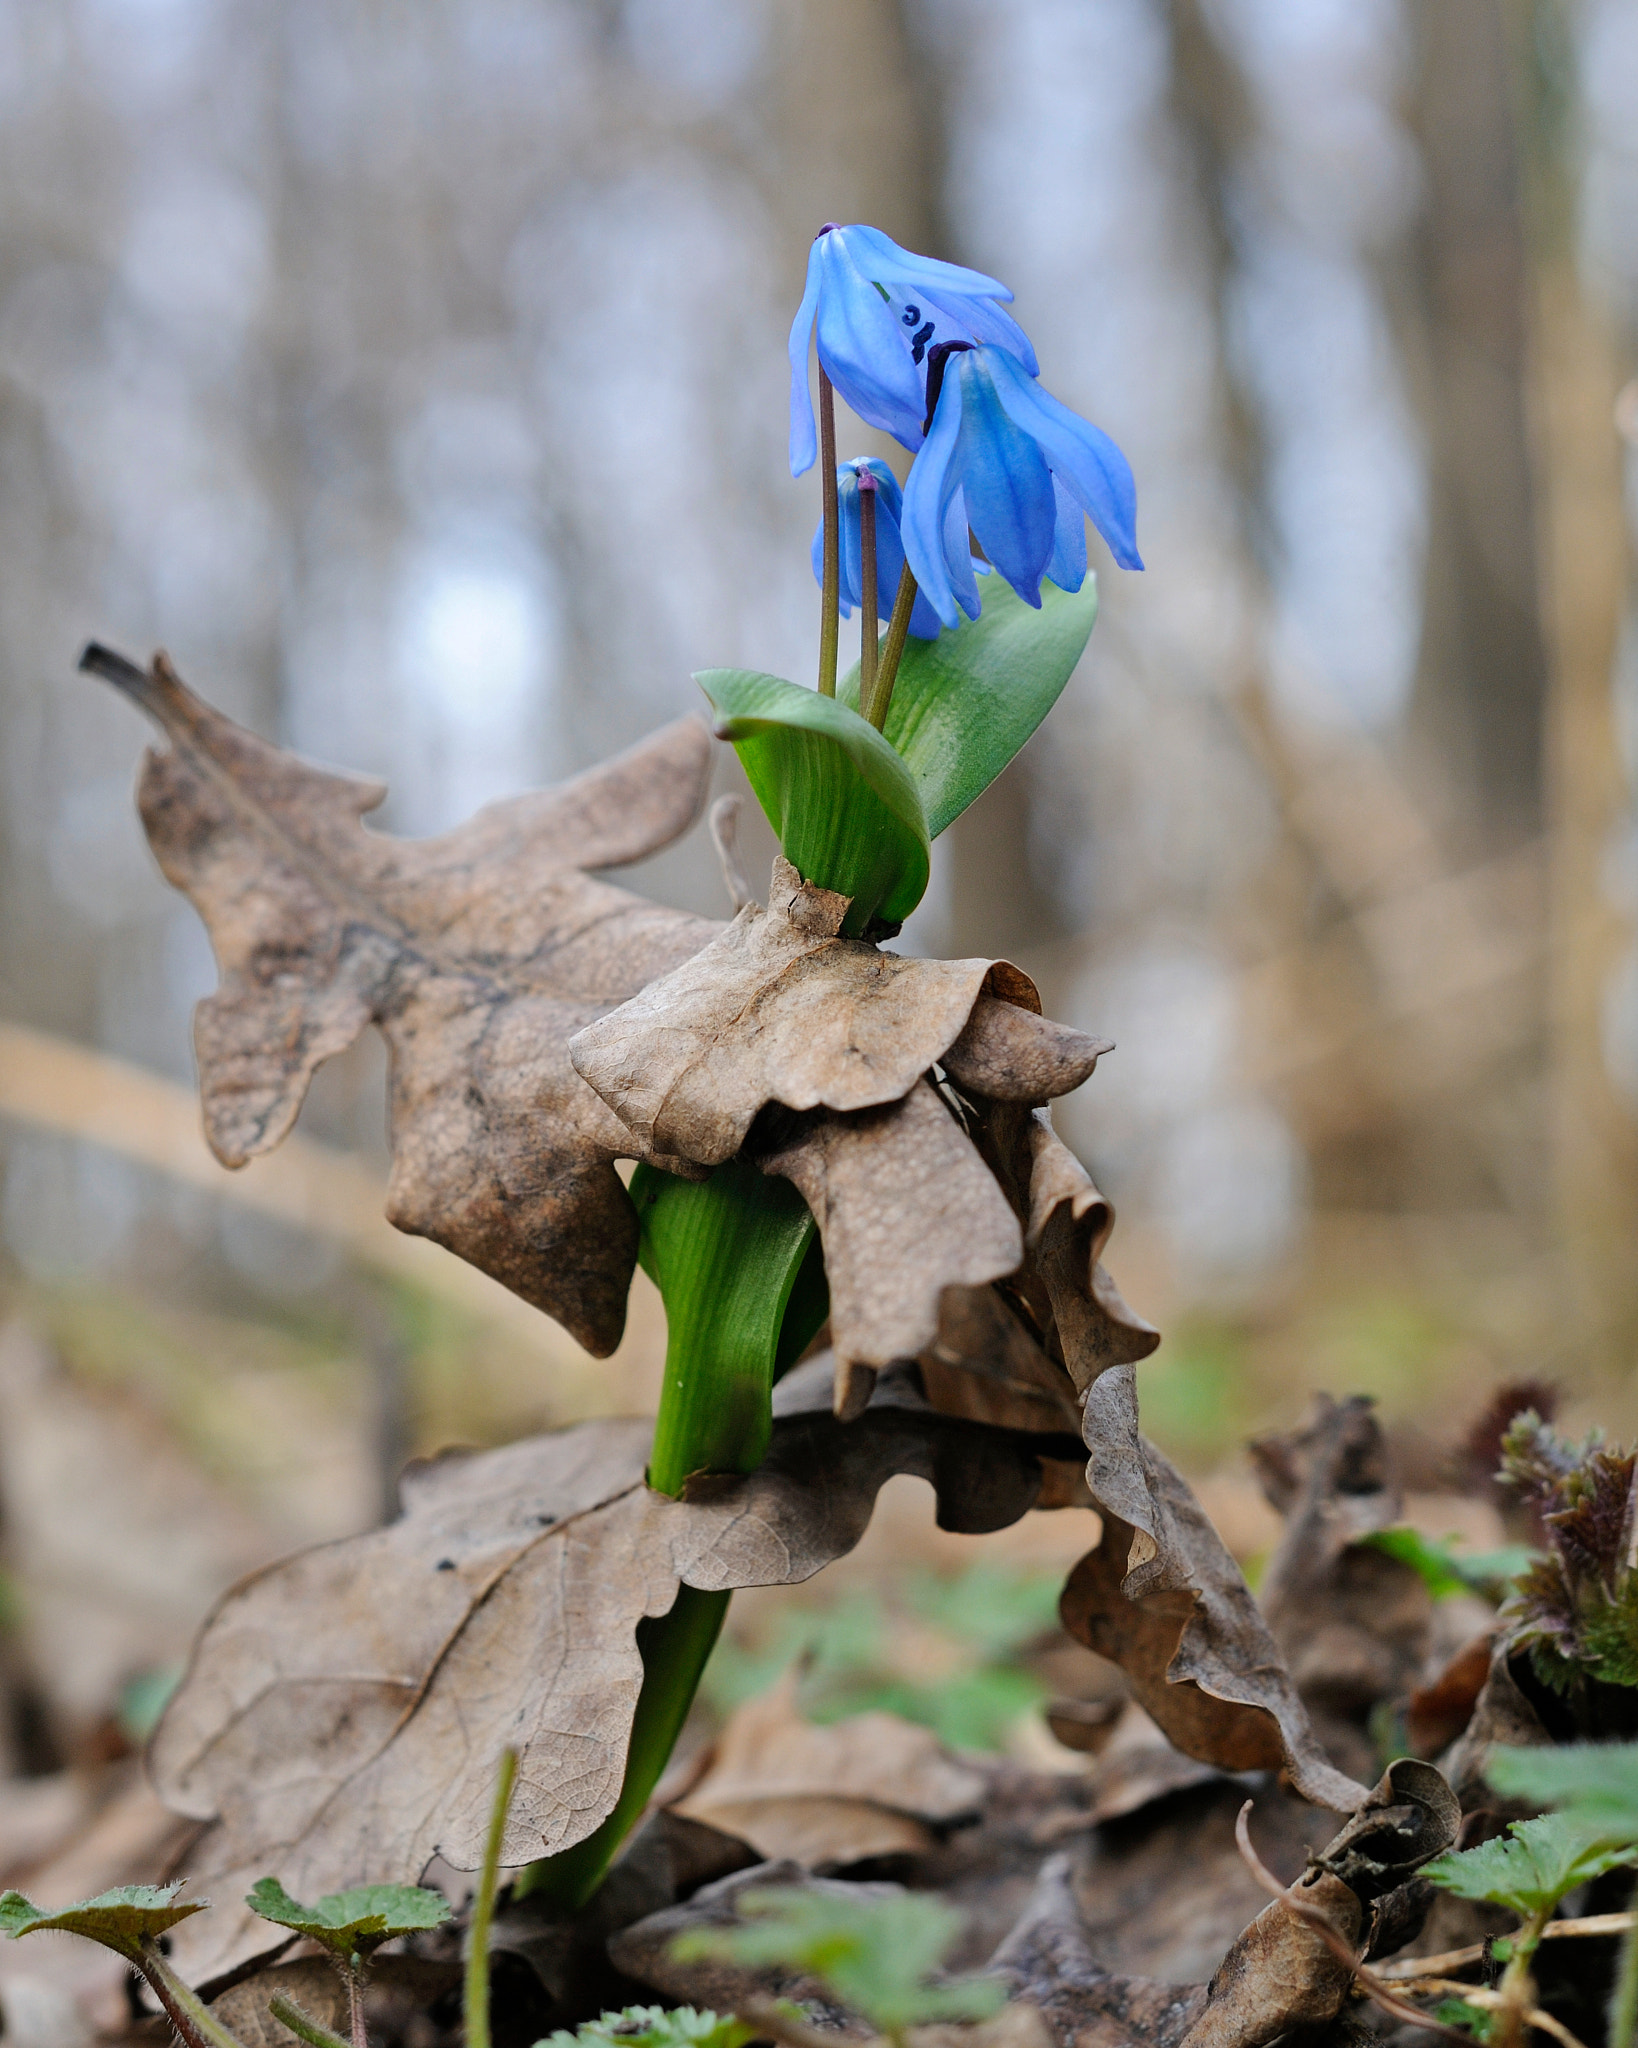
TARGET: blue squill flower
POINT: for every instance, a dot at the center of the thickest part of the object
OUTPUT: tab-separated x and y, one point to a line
880	311
889	547
1007	459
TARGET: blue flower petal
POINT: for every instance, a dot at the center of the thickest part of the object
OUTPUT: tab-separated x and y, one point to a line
880	256
1004	477
1093	469
958	557
933	484
804	441
864	354
1068	565
981	320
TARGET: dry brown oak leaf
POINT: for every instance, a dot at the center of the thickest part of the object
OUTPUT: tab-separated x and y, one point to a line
344	1710
478	953
781	1010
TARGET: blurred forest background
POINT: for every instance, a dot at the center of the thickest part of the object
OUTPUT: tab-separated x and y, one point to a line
416	377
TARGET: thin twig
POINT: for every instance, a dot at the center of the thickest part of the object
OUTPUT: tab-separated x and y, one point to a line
1492	2001
1459	1958
1366	1979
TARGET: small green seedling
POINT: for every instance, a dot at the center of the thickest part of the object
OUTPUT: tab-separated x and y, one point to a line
1595	1784
652	2026
130	1921
1531	1868
875	1955
350	1926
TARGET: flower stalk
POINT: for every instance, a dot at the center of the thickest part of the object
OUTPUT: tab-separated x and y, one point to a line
830	618
867	580
476	2011
898	632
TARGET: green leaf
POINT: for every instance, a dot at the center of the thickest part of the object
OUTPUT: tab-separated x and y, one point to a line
653	2026
873	1955
1595	1782
1528	1870
843	804
354	1922
736	1259
1444	1569
965	703
120	1919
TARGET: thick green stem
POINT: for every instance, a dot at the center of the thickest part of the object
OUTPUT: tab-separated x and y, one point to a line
874	703
830	618
476	2011
736	1259
1623	2016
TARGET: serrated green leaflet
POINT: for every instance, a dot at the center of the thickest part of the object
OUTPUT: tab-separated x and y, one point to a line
1530	1868
1596	1782
841	801
119	1919
965	703
652	2026
352	1922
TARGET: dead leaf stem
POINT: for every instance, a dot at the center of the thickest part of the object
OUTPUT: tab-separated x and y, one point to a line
1475	1952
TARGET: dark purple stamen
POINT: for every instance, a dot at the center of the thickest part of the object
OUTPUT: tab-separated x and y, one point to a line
936	359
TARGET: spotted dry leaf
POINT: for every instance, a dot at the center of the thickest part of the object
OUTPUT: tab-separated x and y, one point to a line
781	1008
344	1710
478	954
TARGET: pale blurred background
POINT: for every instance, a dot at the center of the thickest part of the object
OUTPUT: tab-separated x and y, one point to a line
415	375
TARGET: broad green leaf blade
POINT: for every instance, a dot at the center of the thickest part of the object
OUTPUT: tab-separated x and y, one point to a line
1530	1868
118	1919
1596	1782
965	703
1444	1569
735	1257
354	1921
841	801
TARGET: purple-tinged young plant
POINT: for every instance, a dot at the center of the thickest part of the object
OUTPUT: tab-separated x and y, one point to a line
880	311
1014	464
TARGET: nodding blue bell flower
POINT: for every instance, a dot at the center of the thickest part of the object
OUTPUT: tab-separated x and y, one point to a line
1009	460
889	547
880	311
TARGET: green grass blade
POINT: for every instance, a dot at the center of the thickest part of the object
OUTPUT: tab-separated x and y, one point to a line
843	804
966	702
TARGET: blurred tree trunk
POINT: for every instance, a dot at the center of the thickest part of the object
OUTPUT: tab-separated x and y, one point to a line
1482	675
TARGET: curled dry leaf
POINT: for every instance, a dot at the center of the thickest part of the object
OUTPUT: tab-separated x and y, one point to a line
906	1209
1282	1973
478	953
344	1709
1186	1632
781	1008
872	1785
